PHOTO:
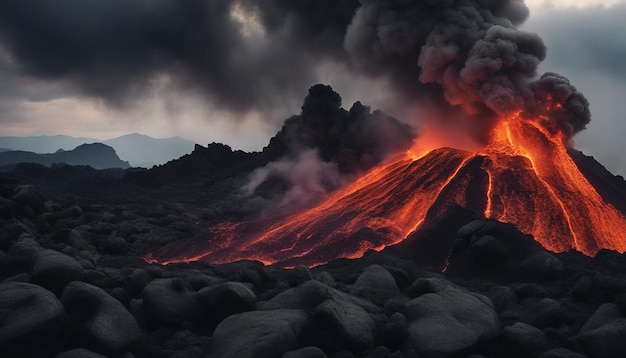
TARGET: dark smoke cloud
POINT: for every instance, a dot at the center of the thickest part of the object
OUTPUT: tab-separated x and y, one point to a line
116	49
471	49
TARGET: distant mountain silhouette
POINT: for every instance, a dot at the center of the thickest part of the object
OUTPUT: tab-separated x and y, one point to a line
144	151
138	149
96	155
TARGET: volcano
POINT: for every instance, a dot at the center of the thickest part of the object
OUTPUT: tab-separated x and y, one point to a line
523	176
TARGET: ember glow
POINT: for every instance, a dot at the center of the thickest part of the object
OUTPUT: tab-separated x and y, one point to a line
524	176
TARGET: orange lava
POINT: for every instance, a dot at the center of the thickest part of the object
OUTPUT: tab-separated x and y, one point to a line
524	177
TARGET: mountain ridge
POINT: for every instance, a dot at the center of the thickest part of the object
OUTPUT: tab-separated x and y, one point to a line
138	149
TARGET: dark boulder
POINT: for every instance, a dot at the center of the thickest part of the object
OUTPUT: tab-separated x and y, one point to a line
54	270
450	321
224	300
31	319
171	301
257	334
98	321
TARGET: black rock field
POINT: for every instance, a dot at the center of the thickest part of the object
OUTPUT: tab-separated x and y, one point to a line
73	284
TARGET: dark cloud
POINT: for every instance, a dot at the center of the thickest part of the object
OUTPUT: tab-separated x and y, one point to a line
465	57
116	49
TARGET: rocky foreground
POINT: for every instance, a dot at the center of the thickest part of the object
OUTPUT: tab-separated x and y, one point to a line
72	284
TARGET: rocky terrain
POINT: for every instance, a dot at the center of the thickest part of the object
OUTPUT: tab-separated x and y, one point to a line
73	284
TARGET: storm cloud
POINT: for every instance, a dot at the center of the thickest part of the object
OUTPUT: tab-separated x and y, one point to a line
242	55
467	58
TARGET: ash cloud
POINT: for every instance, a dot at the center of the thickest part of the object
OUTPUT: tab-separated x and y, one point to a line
471	49
242	55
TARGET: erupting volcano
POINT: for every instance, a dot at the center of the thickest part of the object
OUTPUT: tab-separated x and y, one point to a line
523	176
478	73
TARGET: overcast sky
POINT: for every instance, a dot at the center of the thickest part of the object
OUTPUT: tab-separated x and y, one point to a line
74	94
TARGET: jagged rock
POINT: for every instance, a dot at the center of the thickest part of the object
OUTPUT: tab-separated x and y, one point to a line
608	340
170	301
30	316
79	353
353	324
257	334
98	321
53	269
226	299
470	229
306	352
450	321
304	297
524	340
605	314
375	284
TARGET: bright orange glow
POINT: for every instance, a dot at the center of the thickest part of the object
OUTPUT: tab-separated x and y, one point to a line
524	176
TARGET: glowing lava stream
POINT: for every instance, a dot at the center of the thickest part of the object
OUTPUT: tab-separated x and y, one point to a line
524	176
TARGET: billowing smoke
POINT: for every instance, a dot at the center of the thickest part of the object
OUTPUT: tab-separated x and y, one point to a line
323	148
472	50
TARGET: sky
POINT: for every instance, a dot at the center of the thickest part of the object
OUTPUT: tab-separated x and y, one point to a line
217	72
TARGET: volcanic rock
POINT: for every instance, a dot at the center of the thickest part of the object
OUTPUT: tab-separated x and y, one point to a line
605	314
257	334
30	196
170	301
306	352
225	299
542	266
546	312
395	332
376	285
606	341
450	321
524	340
53	269
31	316
304	297
352	324
79	353
97	320
561	353
22	255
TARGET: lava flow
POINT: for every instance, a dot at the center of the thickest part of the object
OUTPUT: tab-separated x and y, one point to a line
524	176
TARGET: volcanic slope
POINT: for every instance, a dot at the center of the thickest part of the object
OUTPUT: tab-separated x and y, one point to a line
525	176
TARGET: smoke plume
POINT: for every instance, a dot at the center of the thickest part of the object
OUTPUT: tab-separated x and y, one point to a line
471	49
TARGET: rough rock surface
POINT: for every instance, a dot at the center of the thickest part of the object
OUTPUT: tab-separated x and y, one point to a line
258	334
97	320
450	321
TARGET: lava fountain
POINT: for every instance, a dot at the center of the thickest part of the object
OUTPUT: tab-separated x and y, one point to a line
523	176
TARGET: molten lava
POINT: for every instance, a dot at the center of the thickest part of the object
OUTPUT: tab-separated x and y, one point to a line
524	177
